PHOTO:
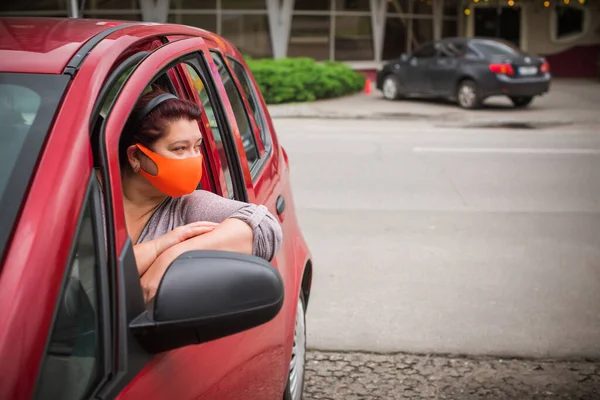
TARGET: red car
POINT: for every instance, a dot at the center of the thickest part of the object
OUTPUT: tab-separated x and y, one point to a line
74	322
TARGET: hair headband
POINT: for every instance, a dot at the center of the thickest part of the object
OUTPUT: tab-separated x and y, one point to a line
152	104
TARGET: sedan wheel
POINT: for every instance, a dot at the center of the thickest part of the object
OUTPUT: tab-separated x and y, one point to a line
467	95
391	88
295	383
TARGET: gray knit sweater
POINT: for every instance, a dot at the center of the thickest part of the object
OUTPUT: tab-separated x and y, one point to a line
207	206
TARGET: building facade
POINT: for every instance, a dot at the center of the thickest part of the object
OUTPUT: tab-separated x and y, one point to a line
362	33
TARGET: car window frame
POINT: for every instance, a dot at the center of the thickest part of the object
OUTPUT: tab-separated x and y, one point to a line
258	166
267	145
231	150
93	198
214	162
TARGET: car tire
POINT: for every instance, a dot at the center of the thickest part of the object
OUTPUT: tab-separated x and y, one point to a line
295	383
522	101
391	88
467	95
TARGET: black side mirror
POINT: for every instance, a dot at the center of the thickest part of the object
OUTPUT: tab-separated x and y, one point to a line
206	295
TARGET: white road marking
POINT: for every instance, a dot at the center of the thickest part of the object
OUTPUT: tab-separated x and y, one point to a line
504	150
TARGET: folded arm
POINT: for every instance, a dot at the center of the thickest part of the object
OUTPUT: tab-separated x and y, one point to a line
243	228
232	235
146	253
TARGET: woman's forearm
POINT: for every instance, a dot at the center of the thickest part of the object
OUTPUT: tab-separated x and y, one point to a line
145	254
231	235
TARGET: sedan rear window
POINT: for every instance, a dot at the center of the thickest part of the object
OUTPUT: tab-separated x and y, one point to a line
495	48
28	103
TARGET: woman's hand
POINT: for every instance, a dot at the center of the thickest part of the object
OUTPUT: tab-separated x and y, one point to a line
183	233
146	253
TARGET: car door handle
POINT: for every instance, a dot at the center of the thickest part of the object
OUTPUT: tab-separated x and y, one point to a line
280	205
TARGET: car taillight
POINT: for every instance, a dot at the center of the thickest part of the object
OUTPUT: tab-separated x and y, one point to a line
504	69
545	68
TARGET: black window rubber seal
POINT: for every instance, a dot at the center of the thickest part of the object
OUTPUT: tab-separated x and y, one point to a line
76	61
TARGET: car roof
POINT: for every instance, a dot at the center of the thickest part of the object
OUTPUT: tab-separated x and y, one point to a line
47	45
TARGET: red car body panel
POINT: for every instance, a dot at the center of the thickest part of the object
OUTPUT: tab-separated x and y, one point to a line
250	365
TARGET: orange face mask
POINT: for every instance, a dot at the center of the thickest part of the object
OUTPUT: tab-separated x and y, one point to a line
176	176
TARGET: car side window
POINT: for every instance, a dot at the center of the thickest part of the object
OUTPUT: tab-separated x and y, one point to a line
253	100
200	87
112	94
425	51
452	50
73	365
241	116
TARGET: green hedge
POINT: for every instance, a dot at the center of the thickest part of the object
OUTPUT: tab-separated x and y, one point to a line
303	79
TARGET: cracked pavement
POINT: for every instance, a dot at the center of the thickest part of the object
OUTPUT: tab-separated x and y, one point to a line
354	376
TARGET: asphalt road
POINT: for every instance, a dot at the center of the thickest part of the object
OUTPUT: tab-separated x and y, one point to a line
435	238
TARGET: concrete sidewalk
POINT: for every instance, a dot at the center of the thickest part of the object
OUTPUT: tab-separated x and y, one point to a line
569	102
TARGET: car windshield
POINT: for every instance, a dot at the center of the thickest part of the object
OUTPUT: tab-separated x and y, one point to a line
496	48
28	103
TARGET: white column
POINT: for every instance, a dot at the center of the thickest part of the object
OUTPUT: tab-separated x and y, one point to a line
332	31
438	18
378	19
73	9
524	34
409	27
155	11
280	24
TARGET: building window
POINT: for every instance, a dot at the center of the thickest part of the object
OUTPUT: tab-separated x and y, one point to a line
422	32
126	10
111	5
449	28
394	42
204	21
569	22
451	8
399	6
353	39
249	33
243	4
39	5
193	4
423	7
312	5
353	5
110	16
309	37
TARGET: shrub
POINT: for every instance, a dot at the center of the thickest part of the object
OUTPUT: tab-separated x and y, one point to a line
303	79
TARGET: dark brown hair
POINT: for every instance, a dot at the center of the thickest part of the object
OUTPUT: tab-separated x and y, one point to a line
155	124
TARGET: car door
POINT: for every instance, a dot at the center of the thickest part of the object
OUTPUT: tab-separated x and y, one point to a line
419	69
444	72
250	362
269	178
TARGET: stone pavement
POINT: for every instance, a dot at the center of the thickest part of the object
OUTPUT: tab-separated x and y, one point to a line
569	102
354	376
